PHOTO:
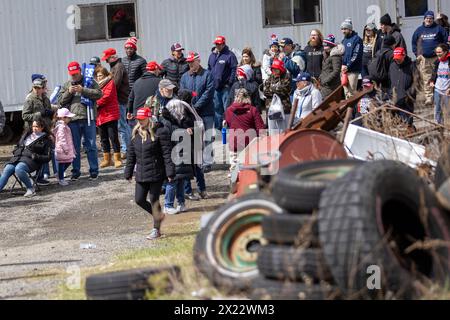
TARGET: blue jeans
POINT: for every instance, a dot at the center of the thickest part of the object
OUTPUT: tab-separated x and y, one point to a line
201	184
80	129
21	170
208	157
62	167
124	129
220	104
174	188
441	107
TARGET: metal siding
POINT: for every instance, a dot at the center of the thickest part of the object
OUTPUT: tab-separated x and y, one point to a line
38	40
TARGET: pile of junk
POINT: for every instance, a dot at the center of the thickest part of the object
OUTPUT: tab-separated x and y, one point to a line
333	210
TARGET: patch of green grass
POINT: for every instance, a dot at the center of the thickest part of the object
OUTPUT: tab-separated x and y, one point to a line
174	249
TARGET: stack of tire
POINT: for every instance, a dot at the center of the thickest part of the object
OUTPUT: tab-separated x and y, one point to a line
292	266
379	231
132	284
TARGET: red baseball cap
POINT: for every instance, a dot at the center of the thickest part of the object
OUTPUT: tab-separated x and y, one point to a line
108	53
399	53
220	40
144	113
153	65
278	64
192	56
74	68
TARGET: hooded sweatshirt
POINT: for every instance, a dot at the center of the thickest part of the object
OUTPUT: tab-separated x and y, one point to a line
426	39
402	77
240	116
353	53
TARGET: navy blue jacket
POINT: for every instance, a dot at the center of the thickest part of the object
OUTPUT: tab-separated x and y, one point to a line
202	83
353	52
223	67
426	39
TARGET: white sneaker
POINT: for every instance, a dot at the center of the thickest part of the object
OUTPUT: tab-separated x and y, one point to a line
63	183
171	211
182	208
46	177
30	193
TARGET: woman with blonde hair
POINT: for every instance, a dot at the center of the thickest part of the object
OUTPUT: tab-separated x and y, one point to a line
149	158
314	54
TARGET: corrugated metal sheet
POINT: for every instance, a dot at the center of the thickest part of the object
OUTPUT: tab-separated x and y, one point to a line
35	38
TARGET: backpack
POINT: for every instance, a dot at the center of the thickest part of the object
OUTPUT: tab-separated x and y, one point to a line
379	67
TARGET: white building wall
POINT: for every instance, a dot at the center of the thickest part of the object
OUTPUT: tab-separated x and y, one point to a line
35	39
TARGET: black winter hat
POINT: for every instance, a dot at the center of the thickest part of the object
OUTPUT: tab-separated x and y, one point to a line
388	41
386	20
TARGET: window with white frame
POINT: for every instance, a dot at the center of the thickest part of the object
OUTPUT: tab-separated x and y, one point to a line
109	21
289	12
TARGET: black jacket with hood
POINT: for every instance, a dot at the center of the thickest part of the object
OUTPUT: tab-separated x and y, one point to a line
145	87
152	159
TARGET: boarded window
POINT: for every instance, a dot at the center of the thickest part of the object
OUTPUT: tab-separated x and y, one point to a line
121	21
289	12
93	27
104	22
306	11
277	12
414	8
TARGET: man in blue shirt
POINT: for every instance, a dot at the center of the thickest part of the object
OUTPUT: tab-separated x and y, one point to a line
424	42
352	60
222	64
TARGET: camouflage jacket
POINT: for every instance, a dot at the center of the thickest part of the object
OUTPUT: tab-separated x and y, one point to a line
73	101
36	107
281	87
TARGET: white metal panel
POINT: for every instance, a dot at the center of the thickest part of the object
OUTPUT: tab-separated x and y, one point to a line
35	37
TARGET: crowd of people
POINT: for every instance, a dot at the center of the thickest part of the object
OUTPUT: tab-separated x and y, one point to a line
138	107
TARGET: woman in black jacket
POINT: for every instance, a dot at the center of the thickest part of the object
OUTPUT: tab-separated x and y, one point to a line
32	151
180	123
150	153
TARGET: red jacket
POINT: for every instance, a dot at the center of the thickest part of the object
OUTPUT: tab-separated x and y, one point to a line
108	105
240	118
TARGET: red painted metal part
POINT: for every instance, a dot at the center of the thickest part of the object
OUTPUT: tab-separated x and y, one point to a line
295	147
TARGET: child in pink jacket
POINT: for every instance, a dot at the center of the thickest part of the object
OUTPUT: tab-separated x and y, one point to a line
64	148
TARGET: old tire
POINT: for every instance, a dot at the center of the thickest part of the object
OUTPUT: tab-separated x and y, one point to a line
130	285
298	188
267	289
288	263
288	229
367	220
442	172
226	248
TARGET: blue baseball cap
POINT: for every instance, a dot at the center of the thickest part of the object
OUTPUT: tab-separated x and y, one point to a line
37	76
303	76
286	41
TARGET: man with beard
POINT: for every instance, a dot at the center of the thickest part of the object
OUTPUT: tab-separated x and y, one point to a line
352	61
314	54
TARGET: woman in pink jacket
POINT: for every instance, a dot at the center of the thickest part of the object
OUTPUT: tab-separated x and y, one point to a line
64	148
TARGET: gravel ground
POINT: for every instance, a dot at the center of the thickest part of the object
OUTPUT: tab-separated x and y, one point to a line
44	234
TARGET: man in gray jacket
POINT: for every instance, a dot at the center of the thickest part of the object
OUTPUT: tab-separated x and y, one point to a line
71	98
